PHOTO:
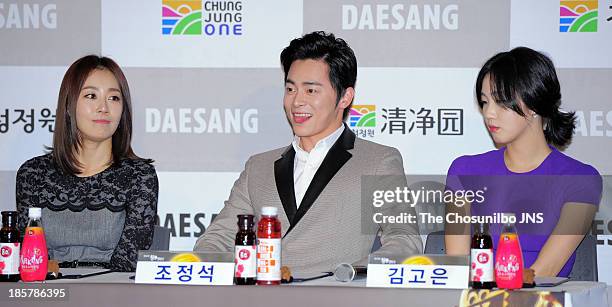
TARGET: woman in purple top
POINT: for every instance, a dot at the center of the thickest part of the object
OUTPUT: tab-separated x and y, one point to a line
519	95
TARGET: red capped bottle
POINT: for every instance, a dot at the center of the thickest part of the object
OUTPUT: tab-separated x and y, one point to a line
245	251
9	247
269	247
482	271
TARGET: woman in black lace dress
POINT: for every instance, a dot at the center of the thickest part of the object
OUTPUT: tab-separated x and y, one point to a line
99	199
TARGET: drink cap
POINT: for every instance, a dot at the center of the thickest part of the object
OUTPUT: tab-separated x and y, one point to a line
481	227
245	221
245	216
34	213
271	211
10	213
9	217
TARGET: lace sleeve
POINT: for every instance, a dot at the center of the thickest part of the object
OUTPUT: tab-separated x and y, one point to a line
139	219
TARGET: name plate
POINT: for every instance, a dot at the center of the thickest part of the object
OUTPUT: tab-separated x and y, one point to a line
184	268
418	276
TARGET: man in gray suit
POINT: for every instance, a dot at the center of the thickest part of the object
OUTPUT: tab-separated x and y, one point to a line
316	181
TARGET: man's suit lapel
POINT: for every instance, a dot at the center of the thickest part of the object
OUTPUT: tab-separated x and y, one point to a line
336	157
283	175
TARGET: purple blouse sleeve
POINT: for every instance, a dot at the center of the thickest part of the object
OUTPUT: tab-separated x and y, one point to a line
583	188
453	180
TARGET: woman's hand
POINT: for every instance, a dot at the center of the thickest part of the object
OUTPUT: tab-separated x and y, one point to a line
528	276
575	221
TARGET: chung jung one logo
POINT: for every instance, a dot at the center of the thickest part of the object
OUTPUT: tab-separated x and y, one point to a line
202	17
578	16
362	116
181	17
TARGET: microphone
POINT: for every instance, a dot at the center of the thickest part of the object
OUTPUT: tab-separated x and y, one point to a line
346	272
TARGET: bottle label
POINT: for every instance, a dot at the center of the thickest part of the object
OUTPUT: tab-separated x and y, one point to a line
482	265
269	259
246	261
508	268
33	258
9	258
31	262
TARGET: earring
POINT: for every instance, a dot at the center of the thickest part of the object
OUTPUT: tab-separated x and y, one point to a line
535	115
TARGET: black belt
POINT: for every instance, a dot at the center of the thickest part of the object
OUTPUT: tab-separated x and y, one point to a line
76	264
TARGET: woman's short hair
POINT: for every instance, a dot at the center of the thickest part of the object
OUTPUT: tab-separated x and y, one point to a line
66	138
530	76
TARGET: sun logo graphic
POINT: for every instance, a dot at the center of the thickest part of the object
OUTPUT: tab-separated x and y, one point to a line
578	16
181	17
362	116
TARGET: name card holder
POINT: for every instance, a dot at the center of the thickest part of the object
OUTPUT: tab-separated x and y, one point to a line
187	268
418	276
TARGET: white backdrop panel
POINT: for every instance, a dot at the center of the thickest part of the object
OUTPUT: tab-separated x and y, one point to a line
432	89
536	24
188	199
26	88
267	26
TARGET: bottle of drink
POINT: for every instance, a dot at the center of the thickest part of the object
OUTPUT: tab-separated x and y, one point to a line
245	251
269	247
9	247
509	257
481	252
34	249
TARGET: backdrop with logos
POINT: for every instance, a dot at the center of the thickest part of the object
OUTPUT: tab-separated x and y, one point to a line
207	86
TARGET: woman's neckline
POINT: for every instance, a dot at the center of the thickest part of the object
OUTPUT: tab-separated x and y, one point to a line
107	169
509	171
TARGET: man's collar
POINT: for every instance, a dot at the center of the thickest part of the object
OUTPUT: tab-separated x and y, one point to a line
326	142
346	140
